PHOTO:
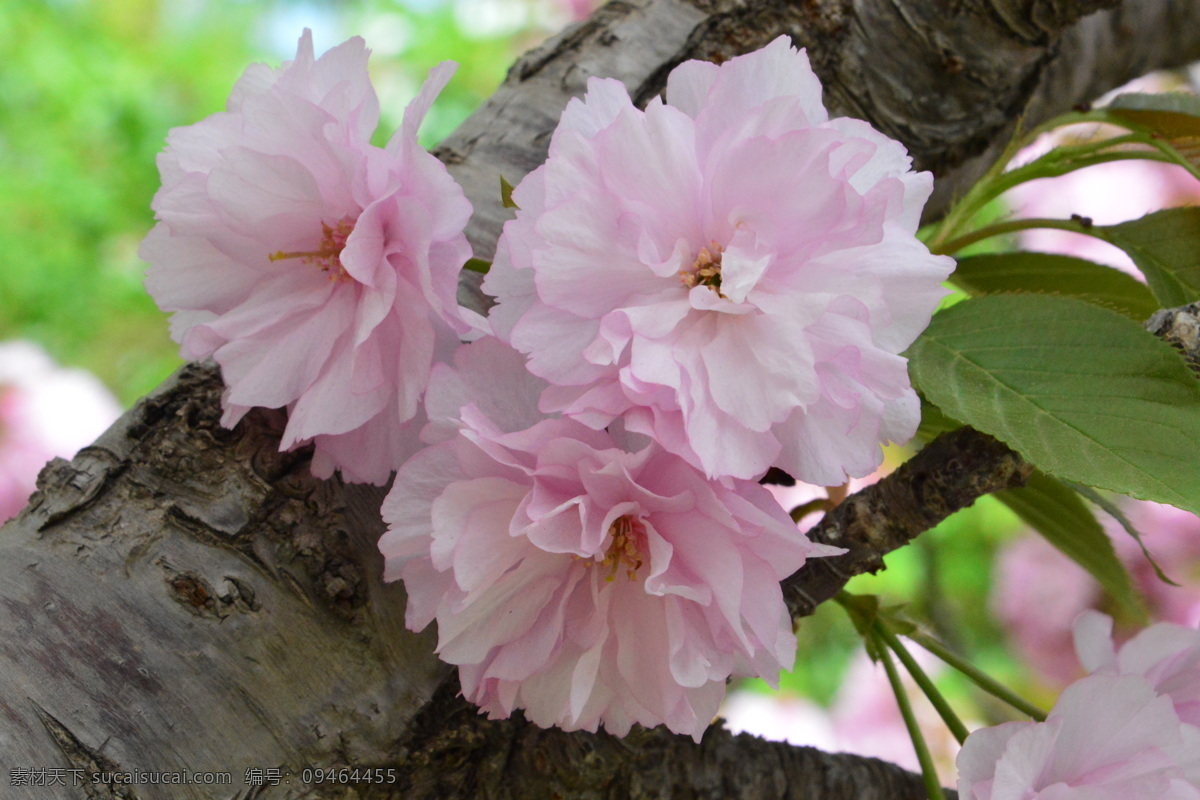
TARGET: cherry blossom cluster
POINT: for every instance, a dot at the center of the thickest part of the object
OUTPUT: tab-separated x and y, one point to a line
689	294
584	575
1130	729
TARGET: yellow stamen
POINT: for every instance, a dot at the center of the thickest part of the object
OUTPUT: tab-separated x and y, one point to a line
622	550
328	255
705	270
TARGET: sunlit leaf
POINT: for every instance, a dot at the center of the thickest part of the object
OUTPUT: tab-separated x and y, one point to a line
1082	392
1047	273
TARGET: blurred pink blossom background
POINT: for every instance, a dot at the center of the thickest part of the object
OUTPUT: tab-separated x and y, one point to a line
45	411
1039	592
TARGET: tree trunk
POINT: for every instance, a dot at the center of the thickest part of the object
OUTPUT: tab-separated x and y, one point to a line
183	597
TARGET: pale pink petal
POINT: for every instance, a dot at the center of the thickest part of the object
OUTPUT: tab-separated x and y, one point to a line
1165	654
684	267
418	107
688	85
604	100
1107	738
750	82
583	582
319	271
1093	640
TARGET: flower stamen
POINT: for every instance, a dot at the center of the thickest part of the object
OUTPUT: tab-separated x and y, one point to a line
706	269
328	255
623	549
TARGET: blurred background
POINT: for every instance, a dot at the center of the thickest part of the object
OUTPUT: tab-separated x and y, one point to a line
88	91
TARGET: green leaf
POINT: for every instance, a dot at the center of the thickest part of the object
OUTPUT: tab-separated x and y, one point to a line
1057	513
506	190
1165	246
478	265
1170	114
1046	273
1082	392
934	422
1114	511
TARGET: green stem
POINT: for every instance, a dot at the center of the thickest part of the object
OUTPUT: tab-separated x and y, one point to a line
1057	162
932	785
1009	226
939	702
979	678
1097	116
962	211
1057	165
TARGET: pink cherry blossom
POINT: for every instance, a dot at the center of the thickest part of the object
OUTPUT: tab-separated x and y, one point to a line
1107	738
732	272
586	576
318	271
1166	655
45	411
1037	594
1039	591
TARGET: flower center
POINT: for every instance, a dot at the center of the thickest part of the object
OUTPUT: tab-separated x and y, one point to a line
327	256
706	269
623	549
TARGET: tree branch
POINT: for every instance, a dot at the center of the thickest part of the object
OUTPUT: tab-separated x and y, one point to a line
179	577
180	595
516	760
947	475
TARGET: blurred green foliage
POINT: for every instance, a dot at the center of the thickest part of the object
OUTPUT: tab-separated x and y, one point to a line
88	91
86	97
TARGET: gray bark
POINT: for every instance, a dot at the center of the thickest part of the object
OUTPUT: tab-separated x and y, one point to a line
181	596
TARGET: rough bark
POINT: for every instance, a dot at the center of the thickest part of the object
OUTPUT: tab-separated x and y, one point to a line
517	760
947	475
183	596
